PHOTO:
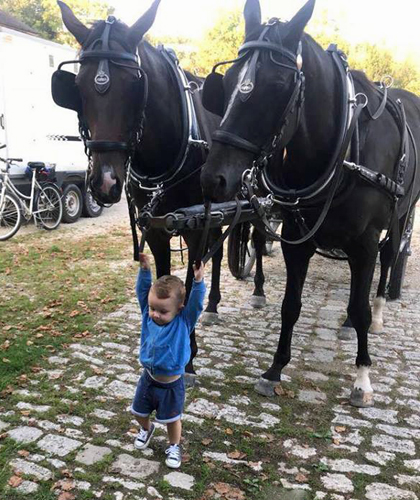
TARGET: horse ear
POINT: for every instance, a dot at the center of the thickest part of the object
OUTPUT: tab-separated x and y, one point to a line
297	24
76	28
142	26
252	15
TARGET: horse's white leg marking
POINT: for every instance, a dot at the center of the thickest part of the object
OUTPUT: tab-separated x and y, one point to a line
377	325
362	380
235	92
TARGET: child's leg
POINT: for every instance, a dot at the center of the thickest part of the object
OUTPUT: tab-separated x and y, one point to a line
174	432
143	421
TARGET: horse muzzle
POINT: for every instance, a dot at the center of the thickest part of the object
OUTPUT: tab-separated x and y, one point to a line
105	185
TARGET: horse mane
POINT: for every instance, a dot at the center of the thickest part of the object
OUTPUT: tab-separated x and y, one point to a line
361	78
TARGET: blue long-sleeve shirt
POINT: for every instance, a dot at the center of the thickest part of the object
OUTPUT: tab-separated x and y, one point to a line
165	349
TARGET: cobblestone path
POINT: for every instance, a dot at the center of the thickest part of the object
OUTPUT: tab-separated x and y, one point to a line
74	434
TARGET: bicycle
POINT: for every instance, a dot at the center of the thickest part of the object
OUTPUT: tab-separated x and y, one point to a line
44	203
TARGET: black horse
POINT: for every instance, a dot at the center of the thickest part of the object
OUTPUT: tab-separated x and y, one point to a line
286	130
133	120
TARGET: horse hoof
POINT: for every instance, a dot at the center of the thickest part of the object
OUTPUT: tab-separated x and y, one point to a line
361	399
266	387
346	333
190	380
376	327
258	302
209	318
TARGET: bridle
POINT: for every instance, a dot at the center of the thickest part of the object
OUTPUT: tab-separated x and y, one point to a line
252	50
99	49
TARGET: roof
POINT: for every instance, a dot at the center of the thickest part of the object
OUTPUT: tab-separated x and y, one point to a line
9	21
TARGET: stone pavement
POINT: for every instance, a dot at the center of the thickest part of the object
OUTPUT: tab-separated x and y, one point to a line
74	434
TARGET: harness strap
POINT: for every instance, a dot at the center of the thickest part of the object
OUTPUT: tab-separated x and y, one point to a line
382	106
264	224
236	141
215	247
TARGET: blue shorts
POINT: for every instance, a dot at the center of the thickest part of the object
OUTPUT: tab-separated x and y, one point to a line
166	399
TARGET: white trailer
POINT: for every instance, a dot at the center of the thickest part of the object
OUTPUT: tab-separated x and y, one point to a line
32	126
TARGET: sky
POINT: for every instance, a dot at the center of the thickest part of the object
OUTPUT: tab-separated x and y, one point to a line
360	20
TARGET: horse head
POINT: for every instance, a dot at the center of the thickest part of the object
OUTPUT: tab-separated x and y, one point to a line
257	91
112	94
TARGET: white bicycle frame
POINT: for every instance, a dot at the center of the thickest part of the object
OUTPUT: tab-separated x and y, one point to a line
7	184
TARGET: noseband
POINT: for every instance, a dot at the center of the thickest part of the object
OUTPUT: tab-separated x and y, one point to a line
99	49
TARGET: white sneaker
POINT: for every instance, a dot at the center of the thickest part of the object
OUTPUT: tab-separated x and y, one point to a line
174	458
143	437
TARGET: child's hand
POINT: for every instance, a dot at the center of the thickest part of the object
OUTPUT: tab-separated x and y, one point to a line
144	261
198	272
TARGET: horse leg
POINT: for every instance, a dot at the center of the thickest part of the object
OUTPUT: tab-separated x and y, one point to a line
210	315
192	239
158	242
362	264
387	256
297	260
347	331
258	299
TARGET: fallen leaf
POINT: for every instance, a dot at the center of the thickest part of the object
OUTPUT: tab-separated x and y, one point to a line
15	481
66	496
229	431
229	492
206	441
67	485
336	441
301	478
9	390
5	360
280	391
236	455
340	428
247	434
23	453
74	313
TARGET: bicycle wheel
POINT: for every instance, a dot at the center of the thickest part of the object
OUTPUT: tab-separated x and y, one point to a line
49	207
10	217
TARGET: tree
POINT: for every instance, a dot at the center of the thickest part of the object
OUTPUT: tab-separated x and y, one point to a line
185	48
44	15
221	43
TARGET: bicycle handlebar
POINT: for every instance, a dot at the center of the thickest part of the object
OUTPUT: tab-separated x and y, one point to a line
10	160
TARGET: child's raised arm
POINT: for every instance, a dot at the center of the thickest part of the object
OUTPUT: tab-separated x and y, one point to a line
195	303
144	281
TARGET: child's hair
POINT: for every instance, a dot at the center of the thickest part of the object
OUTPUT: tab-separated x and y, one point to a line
167	284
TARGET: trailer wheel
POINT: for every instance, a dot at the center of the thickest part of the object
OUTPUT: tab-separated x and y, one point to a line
90	207
72	204
241	251
396	280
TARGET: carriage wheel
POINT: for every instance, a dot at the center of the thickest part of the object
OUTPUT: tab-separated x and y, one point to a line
275	224
241	251
396	280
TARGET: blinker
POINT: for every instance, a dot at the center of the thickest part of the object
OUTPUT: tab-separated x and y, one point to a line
64	90
213	95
